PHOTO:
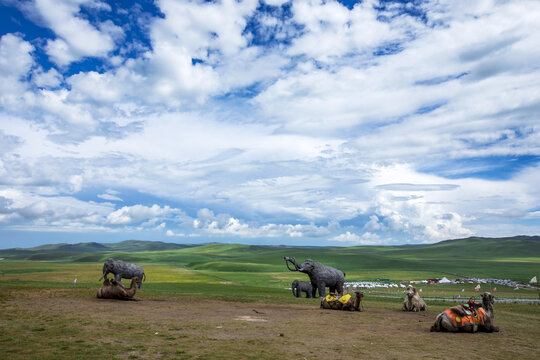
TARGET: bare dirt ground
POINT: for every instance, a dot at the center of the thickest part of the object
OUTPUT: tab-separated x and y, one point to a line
66	323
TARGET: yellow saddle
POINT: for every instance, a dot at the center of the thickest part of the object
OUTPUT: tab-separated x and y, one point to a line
342	299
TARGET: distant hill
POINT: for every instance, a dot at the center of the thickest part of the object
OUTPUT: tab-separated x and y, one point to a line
123	246
518	246
62	247
485	248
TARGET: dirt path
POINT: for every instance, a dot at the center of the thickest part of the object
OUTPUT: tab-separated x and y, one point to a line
64	323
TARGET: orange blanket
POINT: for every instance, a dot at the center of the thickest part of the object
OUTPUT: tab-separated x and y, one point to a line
460	321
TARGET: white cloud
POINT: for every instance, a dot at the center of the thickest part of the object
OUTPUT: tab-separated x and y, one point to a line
28	210
77	37
217	26
75	183
16	59
226	225
332	31
386	93
47	79
313	128
276	2
74	115
353	239
172	233
93	86
109	197
374	224
15	63
134	214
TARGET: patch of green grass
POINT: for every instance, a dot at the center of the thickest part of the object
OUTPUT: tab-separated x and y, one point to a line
501	258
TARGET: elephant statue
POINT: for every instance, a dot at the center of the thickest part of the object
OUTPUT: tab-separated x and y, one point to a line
298	287
122	269
321	276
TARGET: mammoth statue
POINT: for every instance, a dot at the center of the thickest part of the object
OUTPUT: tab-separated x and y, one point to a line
122	269
320	275
298	287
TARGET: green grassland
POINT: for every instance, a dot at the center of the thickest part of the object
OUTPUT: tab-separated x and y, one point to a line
196	278
231	268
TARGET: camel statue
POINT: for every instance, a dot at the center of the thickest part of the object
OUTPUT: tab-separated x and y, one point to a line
112	289
413	301
345	302
468	317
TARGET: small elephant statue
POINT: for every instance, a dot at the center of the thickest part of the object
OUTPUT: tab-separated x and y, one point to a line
298	287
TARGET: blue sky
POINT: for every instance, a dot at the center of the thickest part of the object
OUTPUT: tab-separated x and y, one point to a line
268	122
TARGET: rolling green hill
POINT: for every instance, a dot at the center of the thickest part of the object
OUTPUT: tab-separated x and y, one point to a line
516	258
127	246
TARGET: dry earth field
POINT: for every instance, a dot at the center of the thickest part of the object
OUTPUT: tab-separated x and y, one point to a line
73	323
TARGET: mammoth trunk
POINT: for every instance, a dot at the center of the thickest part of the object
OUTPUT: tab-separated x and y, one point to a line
292	261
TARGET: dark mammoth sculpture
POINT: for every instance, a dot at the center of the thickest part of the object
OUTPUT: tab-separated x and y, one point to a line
122	269
320	275
298	287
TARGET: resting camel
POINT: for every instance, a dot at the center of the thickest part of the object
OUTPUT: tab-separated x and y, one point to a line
345	302
413	301
112	289
468	318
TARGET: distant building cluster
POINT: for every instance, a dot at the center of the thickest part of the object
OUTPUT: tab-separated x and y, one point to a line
386	283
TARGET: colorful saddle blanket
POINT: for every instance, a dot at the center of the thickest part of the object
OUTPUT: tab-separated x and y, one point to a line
467	320
330	298
342	299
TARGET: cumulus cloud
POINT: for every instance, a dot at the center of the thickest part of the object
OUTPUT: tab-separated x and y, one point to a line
374	120
367	238
421	220
223	224
137	213
32	211
172	233
77	38
47	79
5	204
16	59
15	63
331	30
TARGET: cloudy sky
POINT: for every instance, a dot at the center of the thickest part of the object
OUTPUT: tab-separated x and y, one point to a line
301	122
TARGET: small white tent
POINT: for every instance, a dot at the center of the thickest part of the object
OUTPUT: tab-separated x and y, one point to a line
533	281
444	280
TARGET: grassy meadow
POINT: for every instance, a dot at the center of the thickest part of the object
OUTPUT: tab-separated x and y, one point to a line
193	292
